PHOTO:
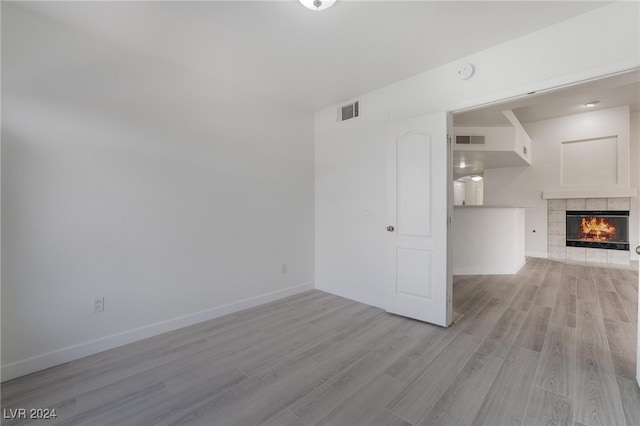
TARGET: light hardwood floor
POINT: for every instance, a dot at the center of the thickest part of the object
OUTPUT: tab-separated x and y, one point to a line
554	344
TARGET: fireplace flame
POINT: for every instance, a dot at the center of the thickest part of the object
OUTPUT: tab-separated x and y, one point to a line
596	229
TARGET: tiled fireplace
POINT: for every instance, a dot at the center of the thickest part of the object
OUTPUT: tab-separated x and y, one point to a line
557	230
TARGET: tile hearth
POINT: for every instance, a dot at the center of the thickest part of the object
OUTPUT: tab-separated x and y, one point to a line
556	237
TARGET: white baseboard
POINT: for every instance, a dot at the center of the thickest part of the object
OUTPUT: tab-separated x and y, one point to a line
540	254
60	356
358	297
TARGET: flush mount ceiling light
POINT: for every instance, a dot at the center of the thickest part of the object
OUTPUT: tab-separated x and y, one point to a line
476	178
317	4
592	103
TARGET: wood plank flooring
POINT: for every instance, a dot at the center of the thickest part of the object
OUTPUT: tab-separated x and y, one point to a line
554	345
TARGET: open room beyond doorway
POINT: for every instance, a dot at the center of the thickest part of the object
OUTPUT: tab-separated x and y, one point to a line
584	156
542	178
585	153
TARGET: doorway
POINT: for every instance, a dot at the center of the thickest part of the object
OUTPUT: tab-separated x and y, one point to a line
506	184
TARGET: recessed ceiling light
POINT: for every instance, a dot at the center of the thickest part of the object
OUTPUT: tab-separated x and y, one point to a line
592	103
476	178
317	4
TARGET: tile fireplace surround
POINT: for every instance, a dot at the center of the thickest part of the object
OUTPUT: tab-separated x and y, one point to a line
558	250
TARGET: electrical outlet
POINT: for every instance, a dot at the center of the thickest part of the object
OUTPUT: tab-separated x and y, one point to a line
98	304
284	268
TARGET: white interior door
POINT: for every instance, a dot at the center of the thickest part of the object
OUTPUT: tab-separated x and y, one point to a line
419	184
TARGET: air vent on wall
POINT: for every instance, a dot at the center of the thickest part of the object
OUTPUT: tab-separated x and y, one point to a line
347	112
469	140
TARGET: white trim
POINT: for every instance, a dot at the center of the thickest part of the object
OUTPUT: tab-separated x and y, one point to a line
60	356
351	295
539	254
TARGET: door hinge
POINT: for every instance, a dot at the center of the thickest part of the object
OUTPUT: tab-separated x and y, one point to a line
448	220
449	140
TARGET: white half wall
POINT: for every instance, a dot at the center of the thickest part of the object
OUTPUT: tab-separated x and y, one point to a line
127	177
488	240
350	157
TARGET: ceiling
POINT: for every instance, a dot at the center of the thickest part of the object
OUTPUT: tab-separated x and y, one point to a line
285	53
614	91
610	92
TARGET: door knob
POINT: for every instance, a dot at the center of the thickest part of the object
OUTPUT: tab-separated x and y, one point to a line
391	229
638	250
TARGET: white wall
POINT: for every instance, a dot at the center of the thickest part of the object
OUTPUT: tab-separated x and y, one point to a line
488	240
522	186
523	141
349	157
125	176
